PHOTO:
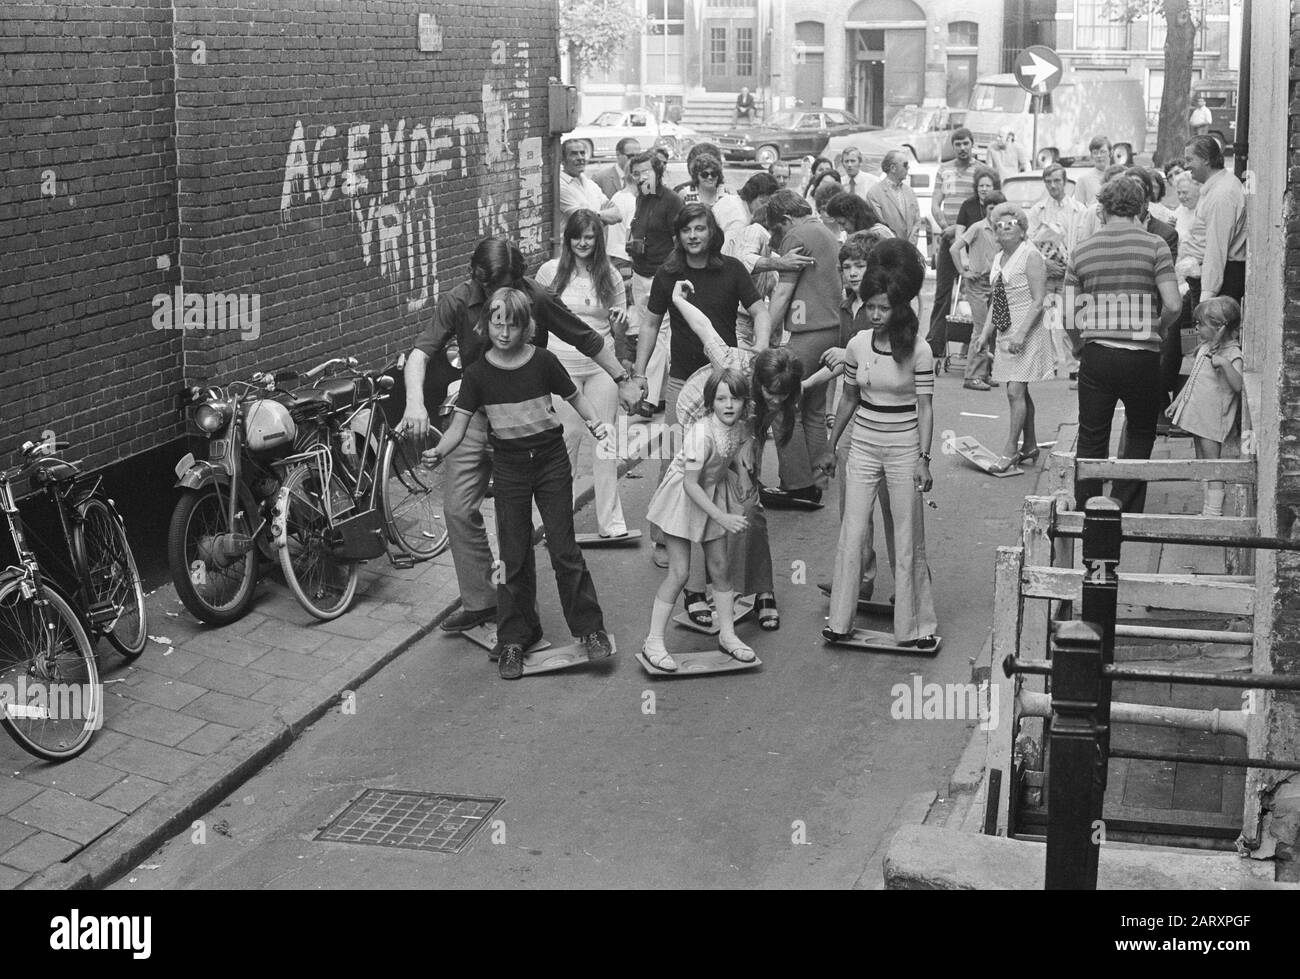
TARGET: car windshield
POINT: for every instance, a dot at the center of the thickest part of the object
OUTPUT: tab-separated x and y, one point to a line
910	117
783	120
608	119
998	98
838	118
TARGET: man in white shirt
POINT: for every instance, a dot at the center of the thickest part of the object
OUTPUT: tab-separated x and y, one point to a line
1218	238
1053	229
1086	187
894	199
855	181
613	178
1201	118
577	190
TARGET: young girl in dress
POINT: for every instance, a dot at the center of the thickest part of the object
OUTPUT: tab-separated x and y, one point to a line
1209	405
699	500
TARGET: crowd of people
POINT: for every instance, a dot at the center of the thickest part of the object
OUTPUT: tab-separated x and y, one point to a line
734	314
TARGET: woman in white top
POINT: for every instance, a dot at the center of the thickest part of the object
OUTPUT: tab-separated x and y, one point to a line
586	281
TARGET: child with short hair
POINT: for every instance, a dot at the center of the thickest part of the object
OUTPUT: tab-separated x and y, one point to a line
1209	405
512	384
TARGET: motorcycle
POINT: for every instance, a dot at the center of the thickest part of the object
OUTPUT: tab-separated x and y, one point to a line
222	523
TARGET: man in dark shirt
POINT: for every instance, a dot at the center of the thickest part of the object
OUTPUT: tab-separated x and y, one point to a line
496	262
649	243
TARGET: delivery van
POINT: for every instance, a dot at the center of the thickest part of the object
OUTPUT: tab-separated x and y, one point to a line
1085	104
1220	96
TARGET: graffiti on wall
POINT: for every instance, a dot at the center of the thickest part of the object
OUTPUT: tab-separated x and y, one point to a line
390	177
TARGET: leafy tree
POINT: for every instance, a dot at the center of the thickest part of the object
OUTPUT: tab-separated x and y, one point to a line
597	31
1180	43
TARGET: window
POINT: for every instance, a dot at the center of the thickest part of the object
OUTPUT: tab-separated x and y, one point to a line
665	41
745	52
717	50
1095	30
963	34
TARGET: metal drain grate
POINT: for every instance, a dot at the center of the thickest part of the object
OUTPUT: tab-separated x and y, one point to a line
411	820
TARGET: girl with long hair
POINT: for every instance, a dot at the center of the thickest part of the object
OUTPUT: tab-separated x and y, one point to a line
888	397
586	281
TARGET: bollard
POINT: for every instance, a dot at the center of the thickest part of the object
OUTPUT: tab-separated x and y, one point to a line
1076	787
1103	534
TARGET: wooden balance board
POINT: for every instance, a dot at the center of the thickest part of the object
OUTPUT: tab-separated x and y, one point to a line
883	642
788	503
865	605
699	664
744	606
541	657
595	540
981	458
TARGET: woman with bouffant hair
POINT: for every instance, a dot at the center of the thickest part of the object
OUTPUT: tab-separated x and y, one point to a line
888	398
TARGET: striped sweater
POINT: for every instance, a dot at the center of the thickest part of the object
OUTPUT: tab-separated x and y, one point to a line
888	390
1112	285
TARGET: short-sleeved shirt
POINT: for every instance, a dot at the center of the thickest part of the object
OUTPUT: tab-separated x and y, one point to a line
718	291
887	390
957	185
652	225
517	401
1113	281
815	304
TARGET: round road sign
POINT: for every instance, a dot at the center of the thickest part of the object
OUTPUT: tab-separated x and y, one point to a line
1038	69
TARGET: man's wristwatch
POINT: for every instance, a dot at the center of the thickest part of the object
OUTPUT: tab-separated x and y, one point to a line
925	456
623	376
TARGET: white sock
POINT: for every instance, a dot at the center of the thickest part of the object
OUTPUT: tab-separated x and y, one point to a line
659	615
724	617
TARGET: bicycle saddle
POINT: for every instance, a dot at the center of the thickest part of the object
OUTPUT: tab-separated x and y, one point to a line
338	392
49	470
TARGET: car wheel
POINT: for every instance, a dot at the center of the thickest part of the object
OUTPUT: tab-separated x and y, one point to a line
670	144
1045	156
1122	154
1218	138
767	155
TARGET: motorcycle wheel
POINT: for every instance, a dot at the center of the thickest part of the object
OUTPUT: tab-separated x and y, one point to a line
214	594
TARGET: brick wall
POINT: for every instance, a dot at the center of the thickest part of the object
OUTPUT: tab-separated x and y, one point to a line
1286	634
243	184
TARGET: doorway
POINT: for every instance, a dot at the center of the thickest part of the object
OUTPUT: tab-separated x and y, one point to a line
867	76
730	54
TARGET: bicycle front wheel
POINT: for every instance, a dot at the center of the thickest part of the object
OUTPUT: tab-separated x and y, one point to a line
323	584
114	579
51	701
412	499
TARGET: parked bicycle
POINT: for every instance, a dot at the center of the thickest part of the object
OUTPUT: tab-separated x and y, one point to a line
364	494
50	695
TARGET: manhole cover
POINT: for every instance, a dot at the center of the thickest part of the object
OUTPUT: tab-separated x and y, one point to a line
413	820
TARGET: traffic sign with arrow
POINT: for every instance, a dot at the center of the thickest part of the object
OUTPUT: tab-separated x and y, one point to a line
1038	69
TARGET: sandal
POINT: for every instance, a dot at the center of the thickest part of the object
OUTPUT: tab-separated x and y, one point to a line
925	642
830	635
769	617
659	658
698	608
741	653
1004	464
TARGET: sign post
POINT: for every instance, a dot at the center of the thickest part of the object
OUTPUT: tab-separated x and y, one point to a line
1038	70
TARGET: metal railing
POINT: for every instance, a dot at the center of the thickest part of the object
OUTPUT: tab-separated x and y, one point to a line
1082	670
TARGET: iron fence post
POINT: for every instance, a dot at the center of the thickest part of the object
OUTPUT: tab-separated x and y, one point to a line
1076	787
1103	535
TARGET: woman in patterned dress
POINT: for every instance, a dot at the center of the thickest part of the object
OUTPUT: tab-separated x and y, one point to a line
1018	288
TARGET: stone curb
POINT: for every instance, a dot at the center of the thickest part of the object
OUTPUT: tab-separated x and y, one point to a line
115	853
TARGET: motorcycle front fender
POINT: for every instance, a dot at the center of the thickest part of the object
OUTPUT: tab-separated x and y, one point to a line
202	474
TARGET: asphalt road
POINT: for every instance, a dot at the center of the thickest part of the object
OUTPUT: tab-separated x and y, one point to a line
792	775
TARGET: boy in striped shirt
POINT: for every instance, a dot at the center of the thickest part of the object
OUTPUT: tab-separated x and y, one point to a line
512	384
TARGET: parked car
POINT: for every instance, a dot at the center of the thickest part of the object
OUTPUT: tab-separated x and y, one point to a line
1027	189
604	132
791	133
925	131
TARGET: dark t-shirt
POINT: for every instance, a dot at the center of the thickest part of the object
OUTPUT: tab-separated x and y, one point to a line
972	211
718	291
652	226
517	402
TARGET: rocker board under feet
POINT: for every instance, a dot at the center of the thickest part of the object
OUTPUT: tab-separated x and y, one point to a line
699	664
866	605
981	458
780	501
743	607
883	642
595	540
560	658
485	635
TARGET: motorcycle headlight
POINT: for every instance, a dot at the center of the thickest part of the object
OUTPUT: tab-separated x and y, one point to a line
211	417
